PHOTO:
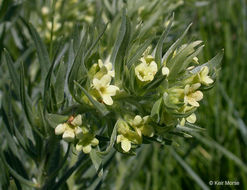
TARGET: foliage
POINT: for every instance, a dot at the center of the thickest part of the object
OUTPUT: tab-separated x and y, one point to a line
93	85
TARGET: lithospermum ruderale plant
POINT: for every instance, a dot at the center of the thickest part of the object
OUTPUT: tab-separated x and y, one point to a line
90	102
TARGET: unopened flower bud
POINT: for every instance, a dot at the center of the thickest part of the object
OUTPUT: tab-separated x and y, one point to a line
77	121
78	147
125	145
165	71
87	149
94	142
137	120
69	135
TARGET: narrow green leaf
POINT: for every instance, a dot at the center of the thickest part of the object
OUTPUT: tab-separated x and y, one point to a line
155	112
95	42
26	104
175	45
13	72
46	92
121	47
55	119
97	162
139	52
43	55
159	47
60	82
213	63
120	37
100	107
78	61
178	62
112	141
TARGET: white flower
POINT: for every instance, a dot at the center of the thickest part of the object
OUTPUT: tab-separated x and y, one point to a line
105	89
191	96
203	76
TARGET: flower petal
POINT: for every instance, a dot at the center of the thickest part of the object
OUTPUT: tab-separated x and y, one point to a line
105	80
207	80
191	118
97	83
77	121
126	145
111	90
198	95
107	99
137	120
191	101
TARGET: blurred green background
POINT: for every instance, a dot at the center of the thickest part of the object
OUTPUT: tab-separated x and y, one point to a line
216	154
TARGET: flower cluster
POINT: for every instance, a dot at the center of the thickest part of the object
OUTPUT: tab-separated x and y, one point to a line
132	130
180	98
74	131
147	69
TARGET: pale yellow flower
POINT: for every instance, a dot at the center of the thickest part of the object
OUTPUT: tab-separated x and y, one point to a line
60	128
127	136
192	95
66	130
77	121
86	146
142	127
196	60
146	70
165	71
45	10
108	65
70	129
86	140
105	90
125	143
190	119
69	134
203	76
